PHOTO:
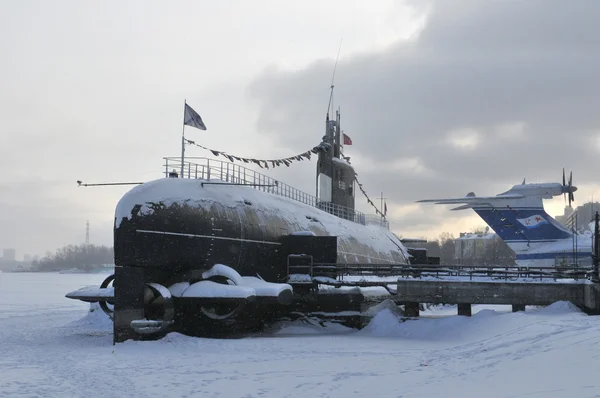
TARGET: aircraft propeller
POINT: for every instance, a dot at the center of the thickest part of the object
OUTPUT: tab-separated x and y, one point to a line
568	189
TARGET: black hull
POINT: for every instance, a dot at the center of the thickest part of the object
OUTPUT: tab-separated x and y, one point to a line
172	230
181	237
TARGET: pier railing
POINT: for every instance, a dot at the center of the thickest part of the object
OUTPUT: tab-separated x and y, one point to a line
212	169
449	272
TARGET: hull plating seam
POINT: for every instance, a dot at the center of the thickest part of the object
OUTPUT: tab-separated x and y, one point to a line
206	236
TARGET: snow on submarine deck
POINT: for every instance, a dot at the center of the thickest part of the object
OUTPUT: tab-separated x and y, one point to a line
301	217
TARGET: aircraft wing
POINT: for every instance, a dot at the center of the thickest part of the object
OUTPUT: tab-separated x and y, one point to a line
472	200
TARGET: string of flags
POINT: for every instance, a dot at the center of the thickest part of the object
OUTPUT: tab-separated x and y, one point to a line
264	163
377	211
192	118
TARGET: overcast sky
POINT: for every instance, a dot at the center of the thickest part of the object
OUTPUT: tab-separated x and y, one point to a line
440	98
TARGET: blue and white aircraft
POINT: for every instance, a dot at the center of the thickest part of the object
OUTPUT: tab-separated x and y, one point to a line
518	217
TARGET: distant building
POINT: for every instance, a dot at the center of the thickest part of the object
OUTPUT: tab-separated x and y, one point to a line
580	217
482	249
8	262
470	248
8	254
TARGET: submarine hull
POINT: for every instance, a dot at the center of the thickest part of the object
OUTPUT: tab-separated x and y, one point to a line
170	231
180	225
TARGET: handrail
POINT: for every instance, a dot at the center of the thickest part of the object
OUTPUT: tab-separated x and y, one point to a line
438	271
207	169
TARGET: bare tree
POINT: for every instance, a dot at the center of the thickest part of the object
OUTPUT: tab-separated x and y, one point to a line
84	257
447	248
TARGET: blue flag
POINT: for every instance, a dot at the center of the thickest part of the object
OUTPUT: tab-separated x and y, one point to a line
191	118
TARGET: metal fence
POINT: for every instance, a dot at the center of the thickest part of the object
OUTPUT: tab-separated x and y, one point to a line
212	169
456	271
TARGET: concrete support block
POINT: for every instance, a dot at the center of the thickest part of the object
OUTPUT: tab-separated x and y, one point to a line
411	309
518	307
591	302
464	309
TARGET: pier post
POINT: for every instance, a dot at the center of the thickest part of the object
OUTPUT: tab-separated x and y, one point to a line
411	309
464	309
518	307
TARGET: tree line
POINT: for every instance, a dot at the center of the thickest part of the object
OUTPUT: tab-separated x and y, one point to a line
480	249
83	257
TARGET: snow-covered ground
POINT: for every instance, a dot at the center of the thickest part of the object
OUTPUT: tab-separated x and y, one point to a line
51	346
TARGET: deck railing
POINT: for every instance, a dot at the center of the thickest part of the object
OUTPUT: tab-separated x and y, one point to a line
212	169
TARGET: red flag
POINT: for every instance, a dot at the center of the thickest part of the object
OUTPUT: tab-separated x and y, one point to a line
347	140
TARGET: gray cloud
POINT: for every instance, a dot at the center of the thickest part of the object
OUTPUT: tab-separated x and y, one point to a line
90	93
490	92
87	93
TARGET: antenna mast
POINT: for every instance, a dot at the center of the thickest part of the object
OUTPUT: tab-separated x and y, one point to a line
333	78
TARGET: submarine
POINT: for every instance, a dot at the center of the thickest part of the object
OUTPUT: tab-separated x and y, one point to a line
219	247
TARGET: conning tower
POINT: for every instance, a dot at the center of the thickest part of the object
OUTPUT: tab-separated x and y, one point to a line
335	176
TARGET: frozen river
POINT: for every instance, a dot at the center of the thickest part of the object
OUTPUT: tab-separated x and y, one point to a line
51	346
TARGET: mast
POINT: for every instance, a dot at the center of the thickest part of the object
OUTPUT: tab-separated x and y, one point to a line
183	139
337	143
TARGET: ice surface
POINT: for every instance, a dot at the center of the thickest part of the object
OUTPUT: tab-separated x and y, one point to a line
54	347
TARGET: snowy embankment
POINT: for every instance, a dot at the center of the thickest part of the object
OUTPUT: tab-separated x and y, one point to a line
51	346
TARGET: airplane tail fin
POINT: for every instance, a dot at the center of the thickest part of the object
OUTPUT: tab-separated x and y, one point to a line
519	219
523	224
531	233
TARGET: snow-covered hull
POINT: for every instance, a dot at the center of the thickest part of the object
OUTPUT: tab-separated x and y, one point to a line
170	231
181	224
